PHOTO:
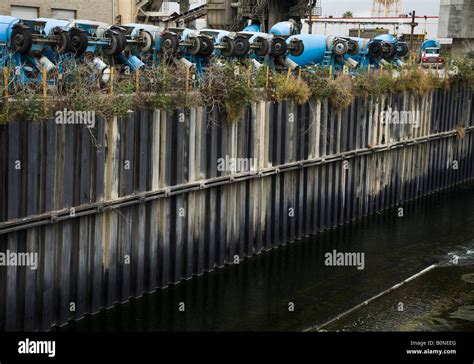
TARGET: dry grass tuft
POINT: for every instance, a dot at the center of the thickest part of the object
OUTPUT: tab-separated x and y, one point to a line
460	132
291	88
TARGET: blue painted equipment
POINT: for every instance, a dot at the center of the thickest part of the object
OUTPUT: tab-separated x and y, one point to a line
254	28
200	49
388	42
21	36
260	43
139	44
228	44
430	43
105	43
146	42
7	24
402	49
286	28
188	47
103	39
320	50
169	45
64	43
360	54
383	49
314	49
25	42
130	62
264	48
67	39
392	50
270	49
187	42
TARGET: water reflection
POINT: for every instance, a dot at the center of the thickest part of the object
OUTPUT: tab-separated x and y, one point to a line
254	295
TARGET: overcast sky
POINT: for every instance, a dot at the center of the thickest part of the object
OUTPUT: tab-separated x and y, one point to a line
364	7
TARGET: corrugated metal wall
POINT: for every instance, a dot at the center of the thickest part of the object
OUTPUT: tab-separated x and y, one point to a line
147	187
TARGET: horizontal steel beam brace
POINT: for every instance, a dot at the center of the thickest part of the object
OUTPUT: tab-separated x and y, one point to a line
100	206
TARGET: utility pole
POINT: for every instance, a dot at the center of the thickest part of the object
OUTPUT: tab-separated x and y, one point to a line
314	9
310	17
413	26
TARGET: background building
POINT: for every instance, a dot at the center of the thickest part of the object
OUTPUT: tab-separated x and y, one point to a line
456	21
99	10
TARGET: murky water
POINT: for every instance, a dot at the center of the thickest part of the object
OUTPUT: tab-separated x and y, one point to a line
440	300
259	293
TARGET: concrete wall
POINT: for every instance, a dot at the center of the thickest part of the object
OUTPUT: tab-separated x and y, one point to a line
127	10
98	10
219	13
456	19
367	33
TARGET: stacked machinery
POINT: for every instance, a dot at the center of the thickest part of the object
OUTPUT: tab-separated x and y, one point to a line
35	47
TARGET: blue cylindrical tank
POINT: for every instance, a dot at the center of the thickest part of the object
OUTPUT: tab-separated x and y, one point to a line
6	25
255	35
254	28
92	27
386	38
217	34
390	45
187	32
363	45
190	34
50	24
135	63
227	39
314	48
430	43
284	28
154	30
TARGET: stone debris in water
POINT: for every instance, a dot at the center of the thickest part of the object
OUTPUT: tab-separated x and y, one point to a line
469	277
464	313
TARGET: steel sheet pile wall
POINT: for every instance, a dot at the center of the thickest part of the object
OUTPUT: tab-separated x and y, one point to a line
141	202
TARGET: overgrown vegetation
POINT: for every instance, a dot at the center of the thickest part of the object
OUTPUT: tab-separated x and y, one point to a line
338	90
411	79
231	86
465	72
291	88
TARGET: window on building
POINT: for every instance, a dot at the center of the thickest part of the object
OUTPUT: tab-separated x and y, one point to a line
24	12
63	14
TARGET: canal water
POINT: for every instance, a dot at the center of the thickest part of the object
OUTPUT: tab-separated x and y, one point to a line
291	288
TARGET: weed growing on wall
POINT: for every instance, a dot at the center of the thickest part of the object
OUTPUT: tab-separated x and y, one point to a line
291	88
229	85
339	91
464	75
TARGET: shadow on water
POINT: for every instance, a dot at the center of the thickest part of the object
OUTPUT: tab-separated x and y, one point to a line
255	295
